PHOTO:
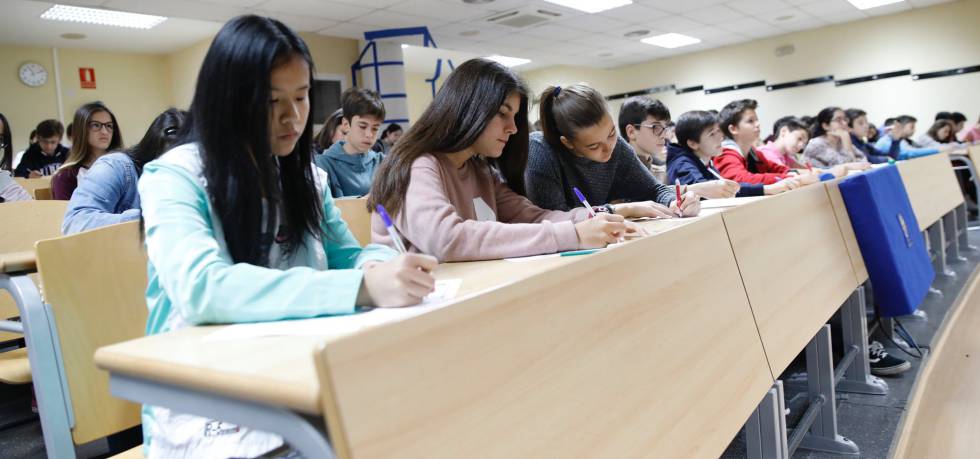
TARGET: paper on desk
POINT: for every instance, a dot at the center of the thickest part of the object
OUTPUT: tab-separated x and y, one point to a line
445	291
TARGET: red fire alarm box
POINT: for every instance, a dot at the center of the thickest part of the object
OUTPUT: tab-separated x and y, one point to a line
86	75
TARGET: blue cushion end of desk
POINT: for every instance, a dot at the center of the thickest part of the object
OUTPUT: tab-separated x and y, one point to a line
887	232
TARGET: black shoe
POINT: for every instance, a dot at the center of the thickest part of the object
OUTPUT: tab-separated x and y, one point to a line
883	364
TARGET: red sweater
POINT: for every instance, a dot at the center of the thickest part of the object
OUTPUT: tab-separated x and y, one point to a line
752	169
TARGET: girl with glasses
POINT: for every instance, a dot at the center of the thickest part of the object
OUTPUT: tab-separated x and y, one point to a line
96	133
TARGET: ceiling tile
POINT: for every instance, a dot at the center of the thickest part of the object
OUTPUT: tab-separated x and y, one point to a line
593	23
392	19
677	7
315	8
828	7
888	9
635	13
346	29
679	24
716	14
298	22
554	31
752	7
177	8
442	11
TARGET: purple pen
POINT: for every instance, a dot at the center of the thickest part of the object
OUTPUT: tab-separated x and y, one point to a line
391	229
585	203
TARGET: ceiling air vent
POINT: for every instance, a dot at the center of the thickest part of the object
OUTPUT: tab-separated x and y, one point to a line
523	17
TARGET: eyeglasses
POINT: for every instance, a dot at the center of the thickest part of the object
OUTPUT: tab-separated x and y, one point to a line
96	126
840	119
657	128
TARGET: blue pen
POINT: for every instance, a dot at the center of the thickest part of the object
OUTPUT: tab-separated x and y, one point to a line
585	203
391	229
578	252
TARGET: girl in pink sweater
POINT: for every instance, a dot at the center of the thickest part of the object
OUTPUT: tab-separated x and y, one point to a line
454	183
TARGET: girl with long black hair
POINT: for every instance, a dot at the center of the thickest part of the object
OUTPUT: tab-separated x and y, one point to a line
241	227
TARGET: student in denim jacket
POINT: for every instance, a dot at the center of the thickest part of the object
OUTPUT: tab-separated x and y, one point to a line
108	194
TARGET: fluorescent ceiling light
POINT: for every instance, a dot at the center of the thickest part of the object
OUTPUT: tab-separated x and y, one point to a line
671	40
102	17
591	6
868	4
404	46
508	61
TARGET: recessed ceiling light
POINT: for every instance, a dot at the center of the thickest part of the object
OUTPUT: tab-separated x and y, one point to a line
404	46
636	33
469	33
508	61
591	6
73	36
102	17
868	4
671	40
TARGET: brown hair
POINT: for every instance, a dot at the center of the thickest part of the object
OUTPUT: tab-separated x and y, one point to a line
80	149
361	102
566	110
324	138
460	111
934	131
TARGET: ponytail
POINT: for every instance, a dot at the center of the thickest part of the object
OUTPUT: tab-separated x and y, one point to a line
566	110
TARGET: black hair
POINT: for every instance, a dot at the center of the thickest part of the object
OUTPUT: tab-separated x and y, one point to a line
393	127
6	139
636	109
690	126
791	122
944	116
889	122
957	117
162	134
564	110
732	114
905	119
824	117
853	114
361	102
229	119
50	128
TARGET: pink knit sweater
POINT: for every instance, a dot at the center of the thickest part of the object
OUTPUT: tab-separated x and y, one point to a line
469	214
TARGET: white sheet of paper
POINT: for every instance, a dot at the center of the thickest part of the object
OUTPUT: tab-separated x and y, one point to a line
445	291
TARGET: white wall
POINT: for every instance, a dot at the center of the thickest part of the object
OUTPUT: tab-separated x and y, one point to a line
923	40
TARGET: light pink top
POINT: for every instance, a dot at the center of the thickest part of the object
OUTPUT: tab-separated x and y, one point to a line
469	214
772	153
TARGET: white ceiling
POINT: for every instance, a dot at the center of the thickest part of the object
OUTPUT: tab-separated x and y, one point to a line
575	39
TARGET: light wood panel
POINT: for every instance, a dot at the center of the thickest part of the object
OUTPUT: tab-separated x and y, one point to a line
35	220
932	187
354	212
95	283
32	184
846	230
601	358
942	419
794	265
14	367
42	194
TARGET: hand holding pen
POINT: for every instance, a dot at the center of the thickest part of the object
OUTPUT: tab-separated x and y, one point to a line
402	281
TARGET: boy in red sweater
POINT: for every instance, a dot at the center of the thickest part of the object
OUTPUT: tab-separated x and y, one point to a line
739	161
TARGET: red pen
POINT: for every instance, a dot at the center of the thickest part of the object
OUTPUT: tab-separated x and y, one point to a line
680	199
809	166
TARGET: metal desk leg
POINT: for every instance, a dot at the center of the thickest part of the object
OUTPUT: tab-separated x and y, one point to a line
951	237
53	404
765	431
305	434
854	327
821	416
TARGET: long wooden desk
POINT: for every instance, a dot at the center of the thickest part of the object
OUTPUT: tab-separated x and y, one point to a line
931	186
556	313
